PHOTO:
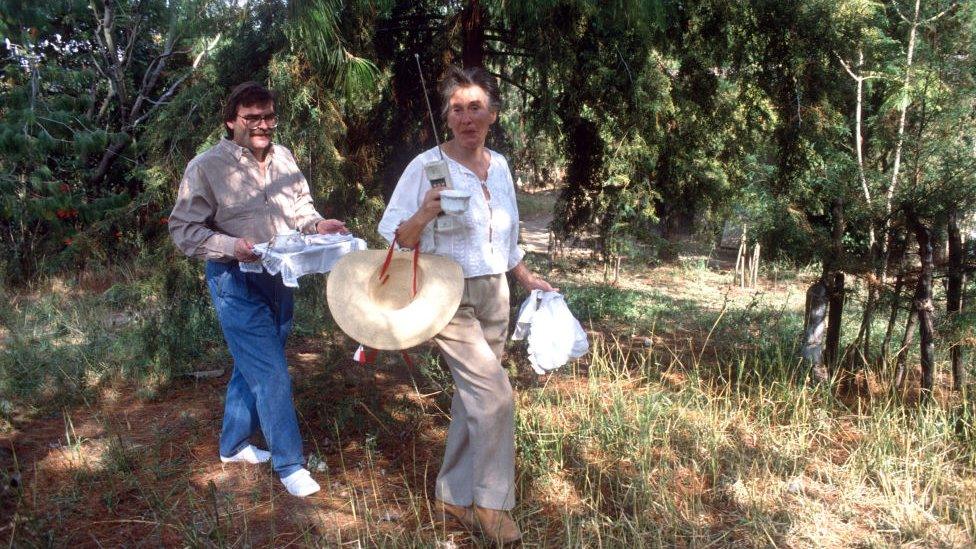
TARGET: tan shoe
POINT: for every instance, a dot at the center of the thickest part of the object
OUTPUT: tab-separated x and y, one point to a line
498	526
464	515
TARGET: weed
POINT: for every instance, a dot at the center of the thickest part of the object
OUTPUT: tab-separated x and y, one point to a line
700	432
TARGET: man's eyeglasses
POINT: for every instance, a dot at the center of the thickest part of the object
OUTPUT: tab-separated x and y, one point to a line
252	121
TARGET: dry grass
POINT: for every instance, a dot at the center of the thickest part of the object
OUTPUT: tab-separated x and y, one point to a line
687	425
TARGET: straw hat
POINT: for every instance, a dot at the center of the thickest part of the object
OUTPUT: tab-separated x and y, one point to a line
385	316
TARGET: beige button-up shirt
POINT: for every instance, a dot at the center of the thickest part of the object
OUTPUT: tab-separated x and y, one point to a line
223	197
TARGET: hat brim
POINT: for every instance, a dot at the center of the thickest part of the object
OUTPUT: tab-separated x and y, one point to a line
380	325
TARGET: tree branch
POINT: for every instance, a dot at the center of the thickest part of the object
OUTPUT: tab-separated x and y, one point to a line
152	76
513	83
847	68
894	3
939	15
106	42
508	53
133	32
115	149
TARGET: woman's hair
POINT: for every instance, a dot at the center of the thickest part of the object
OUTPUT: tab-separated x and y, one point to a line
244	95
455	77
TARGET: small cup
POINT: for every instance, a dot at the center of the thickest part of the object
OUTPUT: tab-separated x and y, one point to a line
287	242
454	202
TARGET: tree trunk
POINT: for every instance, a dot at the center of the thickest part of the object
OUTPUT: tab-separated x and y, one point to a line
814	325
473	18
859	141
835	282
834	315
906	341
863	340
884	243
893	317
923	304
956	280
108	159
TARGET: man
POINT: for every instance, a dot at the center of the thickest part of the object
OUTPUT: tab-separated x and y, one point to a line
240	192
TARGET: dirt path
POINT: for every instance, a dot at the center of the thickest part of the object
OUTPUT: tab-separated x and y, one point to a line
535	220
129	471
535	233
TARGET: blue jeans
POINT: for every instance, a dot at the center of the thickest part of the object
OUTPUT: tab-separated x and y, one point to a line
255	313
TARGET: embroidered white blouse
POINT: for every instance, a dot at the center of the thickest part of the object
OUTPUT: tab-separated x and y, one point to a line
484	239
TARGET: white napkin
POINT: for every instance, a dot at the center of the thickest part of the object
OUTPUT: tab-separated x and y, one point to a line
554	335
320	254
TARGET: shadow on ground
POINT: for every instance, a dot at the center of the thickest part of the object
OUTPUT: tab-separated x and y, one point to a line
129	470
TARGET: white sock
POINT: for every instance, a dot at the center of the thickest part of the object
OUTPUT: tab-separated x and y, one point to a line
300	483
250	454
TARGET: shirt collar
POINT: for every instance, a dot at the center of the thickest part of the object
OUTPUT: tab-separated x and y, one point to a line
238	151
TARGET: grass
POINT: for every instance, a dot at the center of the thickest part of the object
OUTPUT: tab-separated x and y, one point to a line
690	423
535	204
663	456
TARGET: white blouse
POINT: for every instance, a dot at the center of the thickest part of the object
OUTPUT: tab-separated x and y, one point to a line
484	239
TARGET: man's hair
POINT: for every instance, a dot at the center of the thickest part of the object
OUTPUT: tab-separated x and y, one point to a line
244	95
456	77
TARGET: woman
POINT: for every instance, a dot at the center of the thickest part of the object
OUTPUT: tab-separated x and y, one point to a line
476	483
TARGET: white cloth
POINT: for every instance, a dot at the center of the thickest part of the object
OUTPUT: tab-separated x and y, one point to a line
554	335
484	239
321	253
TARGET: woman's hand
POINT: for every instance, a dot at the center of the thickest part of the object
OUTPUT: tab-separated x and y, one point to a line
330	226
528	280
536	283
408	233
431	205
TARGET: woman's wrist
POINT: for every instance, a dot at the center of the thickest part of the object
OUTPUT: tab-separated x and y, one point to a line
528	280
522	274
411	229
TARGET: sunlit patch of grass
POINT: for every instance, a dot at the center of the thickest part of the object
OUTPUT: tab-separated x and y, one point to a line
534	205
690	423
65	342
754	464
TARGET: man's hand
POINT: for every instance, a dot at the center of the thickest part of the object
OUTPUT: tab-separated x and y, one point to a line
331	226
244	250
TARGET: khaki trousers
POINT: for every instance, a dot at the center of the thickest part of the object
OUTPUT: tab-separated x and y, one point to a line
479	461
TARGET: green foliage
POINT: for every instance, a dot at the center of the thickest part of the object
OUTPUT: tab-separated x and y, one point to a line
661	119
72	113
182	330
598	303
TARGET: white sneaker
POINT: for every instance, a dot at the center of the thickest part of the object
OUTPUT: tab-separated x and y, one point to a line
250	454
300	483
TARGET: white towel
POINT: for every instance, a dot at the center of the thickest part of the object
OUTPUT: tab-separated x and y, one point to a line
320	254
553	333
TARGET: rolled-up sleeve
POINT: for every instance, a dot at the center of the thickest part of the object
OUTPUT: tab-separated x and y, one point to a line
405	201
191	216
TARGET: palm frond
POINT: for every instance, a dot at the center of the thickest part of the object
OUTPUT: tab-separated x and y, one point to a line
313	30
